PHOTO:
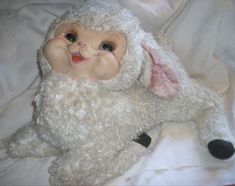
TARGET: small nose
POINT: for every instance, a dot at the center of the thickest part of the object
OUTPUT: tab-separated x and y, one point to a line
74	47
81	43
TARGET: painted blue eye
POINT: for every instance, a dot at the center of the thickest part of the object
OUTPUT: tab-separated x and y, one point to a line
107	46
71	37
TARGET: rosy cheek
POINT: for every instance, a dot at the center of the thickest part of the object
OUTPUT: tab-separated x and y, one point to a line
54	50
55	44
107	56
60	41
108	61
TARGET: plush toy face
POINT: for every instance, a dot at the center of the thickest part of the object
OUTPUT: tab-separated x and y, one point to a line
84	53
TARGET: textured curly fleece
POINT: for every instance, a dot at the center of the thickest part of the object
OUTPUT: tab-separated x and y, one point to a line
94	123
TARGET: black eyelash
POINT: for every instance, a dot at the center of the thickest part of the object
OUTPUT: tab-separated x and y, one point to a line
72	31
112	42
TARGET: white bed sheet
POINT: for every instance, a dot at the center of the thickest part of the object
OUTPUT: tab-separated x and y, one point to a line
204	36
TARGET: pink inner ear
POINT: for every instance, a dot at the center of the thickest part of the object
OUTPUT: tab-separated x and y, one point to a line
164	81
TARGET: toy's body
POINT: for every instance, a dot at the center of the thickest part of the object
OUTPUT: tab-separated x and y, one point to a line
90	123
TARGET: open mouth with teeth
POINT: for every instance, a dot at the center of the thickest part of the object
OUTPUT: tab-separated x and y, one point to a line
77	58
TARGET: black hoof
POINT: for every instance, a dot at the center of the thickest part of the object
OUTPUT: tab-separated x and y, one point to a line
143	139
221	149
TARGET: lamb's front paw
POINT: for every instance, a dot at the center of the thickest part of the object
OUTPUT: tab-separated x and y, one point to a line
16	149
221	149
12	150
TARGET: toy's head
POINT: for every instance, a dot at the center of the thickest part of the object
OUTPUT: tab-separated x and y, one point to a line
85	53
103	42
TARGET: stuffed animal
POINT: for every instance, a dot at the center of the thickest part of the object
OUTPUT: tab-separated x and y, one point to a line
105	84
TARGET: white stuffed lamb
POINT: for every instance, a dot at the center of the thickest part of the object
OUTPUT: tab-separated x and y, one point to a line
93	101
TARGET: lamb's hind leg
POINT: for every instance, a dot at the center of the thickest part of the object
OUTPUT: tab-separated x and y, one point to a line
214	129
122	162
73	169
130	155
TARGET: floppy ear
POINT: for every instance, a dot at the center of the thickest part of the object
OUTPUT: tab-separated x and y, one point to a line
157	76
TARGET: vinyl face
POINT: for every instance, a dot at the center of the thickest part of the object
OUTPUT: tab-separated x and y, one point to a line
81	52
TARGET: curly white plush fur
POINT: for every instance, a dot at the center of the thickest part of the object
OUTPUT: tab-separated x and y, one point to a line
90	126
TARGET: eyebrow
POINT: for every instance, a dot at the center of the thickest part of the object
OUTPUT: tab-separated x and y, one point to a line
75	23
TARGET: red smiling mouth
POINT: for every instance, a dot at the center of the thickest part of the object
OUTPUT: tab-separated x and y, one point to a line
77	58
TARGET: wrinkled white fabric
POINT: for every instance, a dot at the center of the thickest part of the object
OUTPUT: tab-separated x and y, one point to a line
21	110
196	53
